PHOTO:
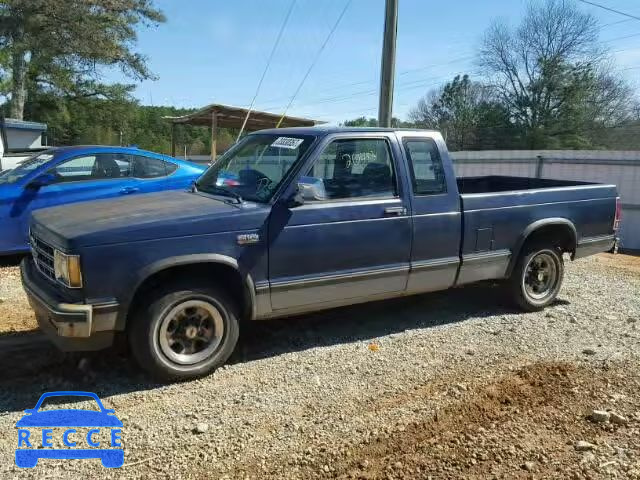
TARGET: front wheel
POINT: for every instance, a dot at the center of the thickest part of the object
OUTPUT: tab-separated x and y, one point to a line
184	331
537	277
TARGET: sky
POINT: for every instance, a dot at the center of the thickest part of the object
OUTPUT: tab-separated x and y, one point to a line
215	51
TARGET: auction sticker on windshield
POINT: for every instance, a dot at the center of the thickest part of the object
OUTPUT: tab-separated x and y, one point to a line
89	431
287	142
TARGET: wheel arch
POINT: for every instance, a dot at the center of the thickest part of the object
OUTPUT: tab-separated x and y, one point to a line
562	229
222	270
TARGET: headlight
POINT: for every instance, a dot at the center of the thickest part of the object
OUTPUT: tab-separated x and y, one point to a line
67	269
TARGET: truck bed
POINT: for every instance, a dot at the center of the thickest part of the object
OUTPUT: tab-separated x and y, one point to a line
496	183
497	210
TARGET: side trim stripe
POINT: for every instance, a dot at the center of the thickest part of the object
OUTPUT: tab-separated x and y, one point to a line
485	256
357	275
600	238
438	262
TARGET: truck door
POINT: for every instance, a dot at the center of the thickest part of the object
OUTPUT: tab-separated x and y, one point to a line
351	237
435	212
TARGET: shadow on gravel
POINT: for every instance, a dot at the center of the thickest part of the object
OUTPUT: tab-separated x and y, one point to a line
36	367
11	260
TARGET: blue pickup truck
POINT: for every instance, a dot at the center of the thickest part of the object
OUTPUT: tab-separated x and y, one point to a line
298	220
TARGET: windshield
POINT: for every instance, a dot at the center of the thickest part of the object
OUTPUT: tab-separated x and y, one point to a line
254	168
25	168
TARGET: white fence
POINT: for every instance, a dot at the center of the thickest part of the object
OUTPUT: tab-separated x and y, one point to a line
621	168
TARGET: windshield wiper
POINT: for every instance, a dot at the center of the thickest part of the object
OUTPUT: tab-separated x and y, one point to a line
215	190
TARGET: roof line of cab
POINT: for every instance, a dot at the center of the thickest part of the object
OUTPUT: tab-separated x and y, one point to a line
326	130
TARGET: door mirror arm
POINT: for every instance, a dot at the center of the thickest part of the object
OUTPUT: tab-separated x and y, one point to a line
297	199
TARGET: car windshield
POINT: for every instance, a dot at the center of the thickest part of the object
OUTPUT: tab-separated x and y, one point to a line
255	167
25	168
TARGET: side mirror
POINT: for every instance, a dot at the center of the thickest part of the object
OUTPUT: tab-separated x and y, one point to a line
42	181
310	189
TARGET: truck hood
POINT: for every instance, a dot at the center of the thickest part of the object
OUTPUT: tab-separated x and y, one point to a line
142	217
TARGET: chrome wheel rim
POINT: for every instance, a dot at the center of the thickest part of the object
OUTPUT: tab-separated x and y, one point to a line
191	332
540	276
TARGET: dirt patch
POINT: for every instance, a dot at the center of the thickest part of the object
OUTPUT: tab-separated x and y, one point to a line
625	262
521	425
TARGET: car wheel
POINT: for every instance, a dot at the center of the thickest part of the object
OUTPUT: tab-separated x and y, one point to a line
26	459
112	459
184	331
537	277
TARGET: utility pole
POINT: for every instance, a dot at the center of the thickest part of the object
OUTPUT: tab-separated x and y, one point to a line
388	67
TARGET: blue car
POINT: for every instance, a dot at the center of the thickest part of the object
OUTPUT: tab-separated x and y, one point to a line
71	419
75	174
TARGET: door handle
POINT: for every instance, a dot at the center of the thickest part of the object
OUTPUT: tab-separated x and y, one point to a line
127	190
395	211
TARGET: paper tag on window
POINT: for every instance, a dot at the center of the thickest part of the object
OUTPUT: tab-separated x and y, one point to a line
287	142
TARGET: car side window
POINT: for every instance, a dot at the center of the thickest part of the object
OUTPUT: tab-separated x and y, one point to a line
147	167
427	173
92	167
353	168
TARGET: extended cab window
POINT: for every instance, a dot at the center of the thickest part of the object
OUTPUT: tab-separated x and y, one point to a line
427	174
353	168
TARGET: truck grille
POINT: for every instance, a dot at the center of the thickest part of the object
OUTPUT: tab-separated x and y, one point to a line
42	254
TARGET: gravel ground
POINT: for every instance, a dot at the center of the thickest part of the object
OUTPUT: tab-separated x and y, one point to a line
447	385
15	314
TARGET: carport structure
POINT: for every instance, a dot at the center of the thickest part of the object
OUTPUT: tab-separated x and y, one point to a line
223	116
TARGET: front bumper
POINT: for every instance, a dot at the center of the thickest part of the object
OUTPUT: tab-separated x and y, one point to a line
70	326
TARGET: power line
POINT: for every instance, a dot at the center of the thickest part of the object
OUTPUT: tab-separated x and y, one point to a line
621	38
315	60
266	68
367	82
609	9
616	23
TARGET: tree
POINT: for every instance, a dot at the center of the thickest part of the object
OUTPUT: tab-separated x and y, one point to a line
61	45
553	76
361	122
464	111
373	122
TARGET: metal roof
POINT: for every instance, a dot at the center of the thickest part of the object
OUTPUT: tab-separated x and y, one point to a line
23	124
233	117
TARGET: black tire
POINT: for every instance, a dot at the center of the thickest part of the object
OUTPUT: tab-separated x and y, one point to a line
150	327
524	279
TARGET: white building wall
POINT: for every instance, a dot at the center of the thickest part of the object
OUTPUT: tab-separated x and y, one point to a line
621	168
21	139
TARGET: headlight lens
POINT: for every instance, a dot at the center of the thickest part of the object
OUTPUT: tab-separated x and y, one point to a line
67	269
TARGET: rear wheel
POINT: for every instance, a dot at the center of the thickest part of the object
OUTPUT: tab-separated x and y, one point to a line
537	277
184	331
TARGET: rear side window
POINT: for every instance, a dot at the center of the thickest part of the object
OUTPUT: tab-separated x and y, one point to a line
427	173
146	167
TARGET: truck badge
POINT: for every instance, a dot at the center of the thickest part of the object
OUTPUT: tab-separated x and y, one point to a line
248	238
